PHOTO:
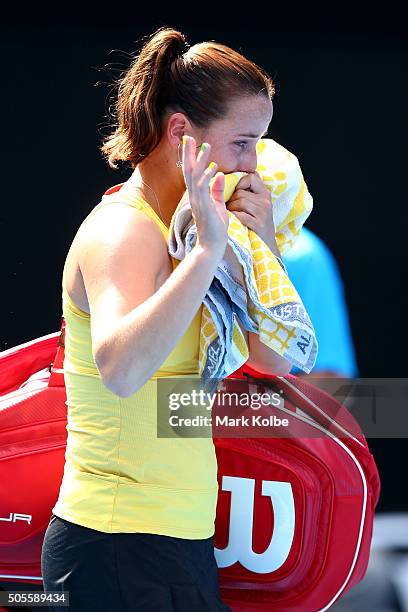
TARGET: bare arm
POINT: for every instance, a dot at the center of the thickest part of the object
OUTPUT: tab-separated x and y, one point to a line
134	323
262	357
266	358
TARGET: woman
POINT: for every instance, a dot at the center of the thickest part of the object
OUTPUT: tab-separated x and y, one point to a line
134	522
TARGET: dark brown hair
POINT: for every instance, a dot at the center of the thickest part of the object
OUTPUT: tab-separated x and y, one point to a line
168	75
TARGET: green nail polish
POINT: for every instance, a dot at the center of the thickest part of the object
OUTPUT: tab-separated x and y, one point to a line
203	146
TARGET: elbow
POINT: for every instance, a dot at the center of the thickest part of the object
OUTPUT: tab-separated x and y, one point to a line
277	367
115	379
114	387
265	359
119	388
282	366
122	385
284	369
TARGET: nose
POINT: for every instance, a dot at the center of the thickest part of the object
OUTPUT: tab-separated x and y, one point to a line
248	162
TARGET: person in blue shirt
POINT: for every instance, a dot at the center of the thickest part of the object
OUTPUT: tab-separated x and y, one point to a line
314	272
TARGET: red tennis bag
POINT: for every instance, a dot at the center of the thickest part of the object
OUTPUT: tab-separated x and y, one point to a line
294	515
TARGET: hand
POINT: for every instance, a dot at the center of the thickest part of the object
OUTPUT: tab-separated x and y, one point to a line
252	205
207	204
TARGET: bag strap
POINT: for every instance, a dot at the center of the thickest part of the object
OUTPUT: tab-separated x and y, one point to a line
56	368
313	401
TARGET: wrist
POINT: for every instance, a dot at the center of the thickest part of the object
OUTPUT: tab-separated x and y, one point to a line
271	243
210	252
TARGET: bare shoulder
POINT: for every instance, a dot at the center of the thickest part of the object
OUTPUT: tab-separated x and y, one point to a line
120	229
115	241
121	256
115	245
119	222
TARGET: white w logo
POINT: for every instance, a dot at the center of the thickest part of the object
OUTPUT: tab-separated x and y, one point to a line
241	519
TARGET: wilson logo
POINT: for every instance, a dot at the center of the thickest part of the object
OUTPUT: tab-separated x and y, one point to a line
16	516
239	546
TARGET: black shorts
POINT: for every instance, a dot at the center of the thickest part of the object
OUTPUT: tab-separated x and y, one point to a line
128	572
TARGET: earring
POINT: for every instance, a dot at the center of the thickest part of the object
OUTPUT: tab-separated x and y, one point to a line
179	163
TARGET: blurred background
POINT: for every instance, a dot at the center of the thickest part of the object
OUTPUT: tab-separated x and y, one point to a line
340	107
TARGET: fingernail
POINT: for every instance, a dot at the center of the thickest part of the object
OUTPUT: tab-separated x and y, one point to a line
203	146
212	165
184	139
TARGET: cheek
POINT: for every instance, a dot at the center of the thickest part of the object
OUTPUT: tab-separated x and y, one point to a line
226	158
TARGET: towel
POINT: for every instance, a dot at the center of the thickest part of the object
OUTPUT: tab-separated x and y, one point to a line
250	284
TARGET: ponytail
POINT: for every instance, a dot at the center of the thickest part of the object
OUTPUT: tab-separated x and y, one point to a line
137	110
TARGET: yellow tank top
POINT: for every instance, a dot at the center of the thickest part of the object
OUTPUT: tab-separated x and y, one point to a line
118	475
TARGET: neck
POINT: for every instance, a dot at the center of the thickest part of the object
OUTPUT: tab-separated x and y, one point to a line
151	172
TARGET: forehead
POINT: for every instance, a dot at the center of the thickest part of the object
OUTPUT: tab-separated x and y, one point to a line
247	114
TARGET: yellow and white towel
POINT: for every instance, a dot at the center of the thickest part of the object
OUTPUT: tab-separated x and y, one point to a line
250	284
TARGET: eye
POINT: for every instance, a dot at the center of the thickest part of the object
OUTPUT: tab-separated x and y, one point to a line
241	144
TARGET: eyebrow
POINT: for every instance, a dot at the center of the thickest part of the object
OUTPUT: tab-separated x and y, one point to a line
253	135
